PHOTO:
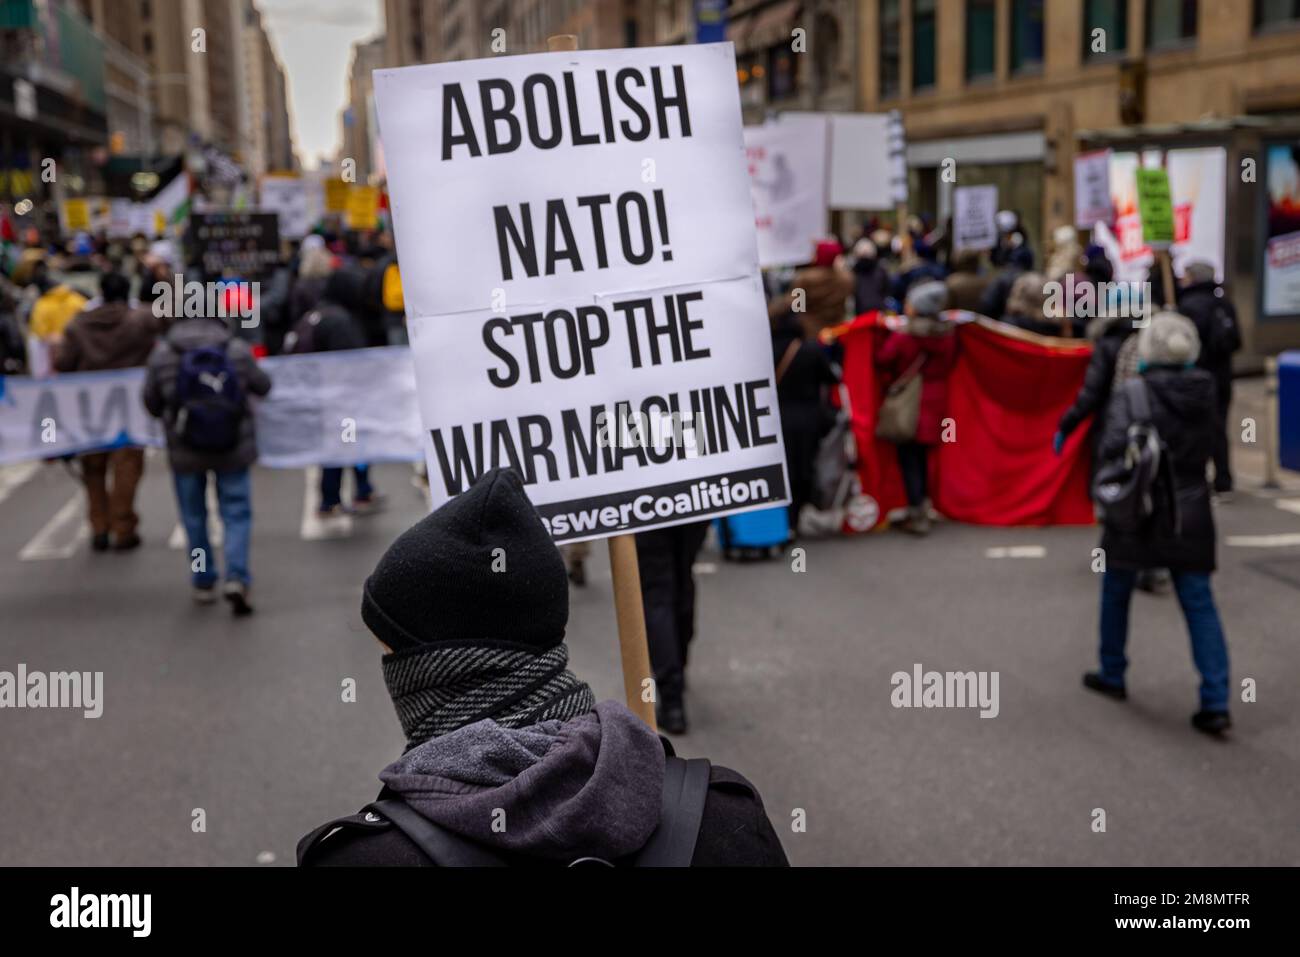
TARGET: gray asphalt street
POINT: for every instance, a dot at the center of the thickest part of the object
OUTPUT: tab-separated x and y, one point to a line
789	683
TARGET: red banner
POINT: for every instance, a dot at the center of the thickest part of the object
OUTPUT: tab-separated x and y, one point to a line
1005	396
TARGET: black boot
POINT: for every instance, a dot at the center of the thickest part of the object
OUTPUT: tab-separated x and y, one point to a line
99	543
1095	682
1211	722
671	716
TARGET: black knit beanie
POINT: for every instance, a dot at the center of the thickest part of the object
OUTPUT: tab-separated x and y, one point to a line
482	569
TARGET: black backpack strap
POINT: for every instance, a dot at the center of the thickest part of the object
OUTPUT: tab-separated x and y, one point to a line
686	788
1139	402
441	846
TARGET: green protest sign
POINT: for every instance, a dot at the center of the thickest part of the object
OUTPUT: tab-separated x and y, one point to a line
1155	206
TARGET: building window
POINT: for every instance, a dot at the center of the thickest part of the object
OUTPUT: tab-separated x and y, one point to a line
1105	28
1170	23
146	43
1274	13
923	38
145	12
891	38
751	73
1026	35
981	38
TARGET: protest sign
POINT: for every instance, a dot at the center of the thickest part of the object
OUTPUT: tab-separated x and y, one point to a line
974	225
1092	203
299	201
363	207
860	159
1155	206
787	170
581	283
75	214
337	192
234	244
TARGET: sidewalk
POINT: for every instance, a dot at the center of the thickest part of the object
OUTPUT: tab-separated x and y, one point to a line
1248	458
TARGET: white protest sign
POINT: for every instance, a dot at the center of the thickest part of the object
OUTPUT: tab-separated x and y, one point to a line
973	218
861	164
787	171
299	201
581	283
1092	203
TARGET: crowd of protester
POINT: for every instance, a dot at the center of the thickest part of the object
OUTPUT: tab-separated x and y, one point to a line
1180	358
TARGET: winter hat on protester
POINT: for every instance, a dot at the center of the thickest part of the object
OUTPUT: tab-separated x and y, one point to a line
1169	339
473	601
928	298
828	250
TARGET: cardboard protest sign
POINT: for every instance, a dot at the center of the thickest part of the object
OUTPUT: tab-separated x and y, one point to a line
337	192
974	224
363	207
75	214
299	201
1155	206
581	283
1092	189
787	169
240	245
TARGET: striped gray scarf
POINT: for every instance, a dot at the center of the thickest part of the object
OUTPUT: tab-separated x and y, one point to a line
444	687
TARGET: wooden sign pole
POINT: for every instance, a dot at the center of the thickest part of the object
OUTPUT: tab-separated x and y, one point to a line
1167	274
625	571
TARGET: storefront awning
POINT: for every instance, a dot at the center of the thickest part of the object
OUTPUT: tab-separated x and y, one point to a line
765	28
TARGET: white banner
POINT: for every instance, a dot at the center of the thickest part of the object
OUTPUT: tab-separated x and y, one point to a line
973	220
581	283
329	408
787	171
1092	203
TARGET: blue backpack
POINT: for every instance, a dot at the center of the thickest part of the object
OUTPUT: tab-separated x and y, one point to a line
209	400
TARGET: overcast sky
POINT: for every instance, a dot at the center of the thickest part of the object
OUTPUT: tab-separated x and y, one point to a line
314	39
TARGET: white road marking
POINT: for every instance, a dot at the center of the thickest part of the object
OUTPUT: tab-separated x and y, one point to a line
1016	551
45	546
13	477
1284	540
216	531
314	528
704	568
1286	504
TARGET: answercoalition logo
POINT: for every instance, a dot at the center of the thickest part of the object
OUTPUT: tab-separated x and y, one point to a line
53	689
76	910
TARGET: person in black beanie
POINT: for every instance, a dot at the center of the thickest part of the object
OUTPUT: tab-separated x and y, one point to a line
509	759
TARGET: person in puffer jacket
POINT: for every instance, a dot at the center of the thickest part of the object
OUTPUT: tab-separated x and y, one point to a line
1182	402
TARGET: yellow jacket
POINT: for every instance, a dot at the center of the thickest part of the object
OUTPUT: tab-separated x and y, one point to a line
53	311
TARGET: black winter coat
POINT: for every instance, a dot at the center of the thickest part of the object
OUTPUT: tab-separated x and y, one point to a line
734	832
1094	394
1216	324
1182	409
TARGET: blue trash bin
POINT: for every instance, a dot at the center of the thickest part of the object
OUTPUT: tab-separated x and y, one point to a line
1288	409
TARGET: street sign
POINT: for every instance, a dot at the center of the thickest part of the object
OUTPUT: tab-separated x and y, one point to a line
581	283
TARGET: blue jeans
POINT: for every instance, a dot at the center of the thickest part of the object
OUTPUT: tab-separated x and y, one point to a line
234	504
331	485
1209	647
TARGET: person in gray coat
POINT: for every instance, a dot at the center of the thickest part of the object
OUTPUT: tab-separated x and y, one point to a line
198	381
